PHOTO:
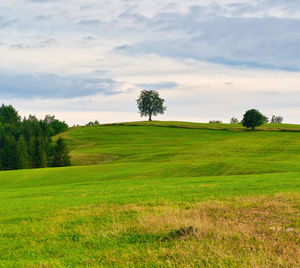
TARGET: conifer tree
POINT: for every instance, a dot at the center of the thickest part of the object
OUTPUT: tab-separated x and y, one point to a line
26	143
23	160
8	115
61	156
40	156
9	153
31	150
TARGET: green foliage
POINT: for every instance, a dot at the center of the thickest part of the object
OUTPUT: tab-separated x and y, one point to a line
8	153
149	103
215	122
8	115
265	119
26	143
234	120
55	125
40	157
95	123
23	158
253	118
276	119
61	156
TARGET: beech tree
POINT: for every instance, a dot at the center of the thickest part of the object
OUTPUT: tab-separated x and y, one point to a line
149	103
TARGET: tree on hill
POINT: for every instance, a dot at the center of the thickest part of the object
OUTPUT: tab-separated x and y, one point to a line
95	123
253	118
234	120
61	155
149	103
276	119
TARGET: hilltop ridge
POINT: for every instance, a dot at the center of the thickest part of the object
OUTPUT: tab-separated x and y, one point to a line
213	126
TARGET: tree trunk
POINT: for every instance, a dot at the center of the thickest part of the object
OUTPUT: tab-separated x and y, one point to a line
150	117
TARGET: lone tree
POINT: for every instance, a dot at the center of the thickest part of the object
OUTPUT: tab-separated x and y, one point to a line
149	103
253	118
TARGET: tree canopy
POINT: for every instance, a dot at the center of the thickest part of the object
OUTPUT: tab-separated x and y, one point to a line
26	143
253	118
276	119
234	120
55	125
150	104
61	157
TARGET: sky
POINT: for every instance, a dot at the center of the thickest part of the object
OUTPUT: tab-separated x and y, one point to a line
86	60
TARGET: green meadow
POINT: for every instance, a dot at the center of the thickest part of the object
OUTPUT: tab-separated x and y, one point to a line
158	194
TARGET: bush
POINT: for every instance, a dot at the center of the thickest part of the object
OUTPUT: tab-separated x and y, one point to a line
234	120
95	123
215	122
276	119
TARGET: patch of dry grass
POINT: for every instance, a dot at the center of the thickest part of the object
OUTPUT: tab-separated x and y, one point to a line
241	232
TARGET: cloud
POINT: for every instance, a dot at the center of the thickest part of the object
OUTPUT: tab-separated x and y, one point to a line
201	54
4	22
42	17
89	22
269	43
41	44
43	1
157	86
228	83
28	86
257	34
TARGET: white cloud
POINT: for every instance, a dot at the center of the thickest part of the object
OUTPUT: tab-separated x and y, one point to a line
213	59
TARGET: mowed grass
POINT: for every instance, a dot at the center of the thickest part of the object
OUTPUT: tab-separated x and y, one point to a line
158	194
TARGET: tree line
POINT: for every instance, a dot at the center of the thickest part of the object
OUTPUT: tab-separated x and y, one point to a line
26	143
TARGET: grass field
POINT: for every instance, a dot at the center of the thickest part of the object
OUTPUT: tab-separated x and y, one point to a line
158	194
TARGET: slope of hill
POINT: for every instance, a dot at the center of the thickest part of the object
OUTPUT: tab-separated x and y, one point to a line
180	194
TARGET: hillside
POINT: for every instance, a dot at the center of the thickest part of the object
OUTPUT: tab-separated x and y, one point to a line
158	193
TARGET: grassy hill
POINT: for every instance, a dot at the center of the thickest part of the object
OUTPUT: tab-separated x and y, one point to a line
158	193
